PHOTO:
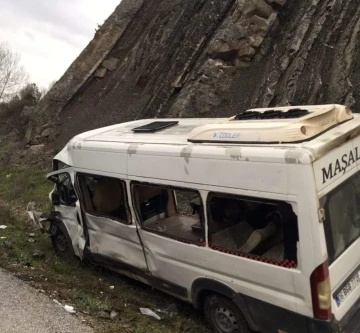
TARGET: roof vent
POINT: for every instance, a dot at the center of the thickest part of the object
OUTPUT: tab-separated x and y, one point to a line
154	126
281	125
272	114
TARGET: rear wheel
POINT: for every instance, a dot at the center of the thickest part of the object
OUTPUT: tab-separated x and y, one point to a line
224	316
62	244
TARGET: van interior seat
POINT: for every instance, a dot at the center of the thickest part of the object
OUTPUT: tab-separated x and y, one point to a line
244	238
258	236
107	196
276	253
233	238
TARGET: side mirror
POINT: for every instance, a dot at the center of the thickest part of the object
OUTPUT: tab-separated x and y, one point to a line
55	198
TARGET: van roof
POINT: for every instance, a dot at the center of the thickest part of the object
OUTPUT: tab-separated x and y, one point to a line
326	127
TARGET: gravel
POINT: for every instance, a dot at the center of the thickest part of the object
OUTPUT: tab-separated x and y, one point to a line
25	310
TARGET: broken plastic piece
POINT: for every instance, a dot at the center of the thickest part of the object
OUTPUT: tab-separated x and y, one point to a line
69	309
56	302
37	217
3	227
170	312
148	312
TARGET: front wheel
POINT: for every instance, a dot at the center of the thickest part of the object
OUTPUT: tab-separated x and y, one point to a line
224	316
62	244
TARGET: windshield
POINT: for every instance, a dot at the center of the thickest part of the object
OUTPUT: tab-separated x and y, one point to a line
342	225
58	165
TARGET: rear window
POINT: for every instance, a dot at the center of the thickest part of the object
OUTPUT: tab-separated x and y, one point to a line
342	225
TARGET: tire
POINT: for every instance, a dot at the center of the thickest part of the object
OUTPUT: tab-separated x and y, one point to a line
224	316
62	245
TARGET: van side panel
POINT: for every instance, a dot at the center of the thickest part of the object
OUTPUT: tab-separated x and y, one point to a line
182	264
233	173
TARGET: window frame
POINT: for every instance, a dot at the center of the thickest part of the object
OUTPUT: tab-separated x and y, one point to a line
236	197
124	190
133	183
284	263
56	184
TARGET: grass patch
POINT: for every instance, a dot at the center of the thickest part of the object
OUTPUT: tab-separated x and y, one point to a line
24	184
71	281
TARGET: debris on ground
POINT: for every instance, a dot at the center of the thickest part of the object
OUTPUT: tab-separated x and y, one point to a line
148	312
2	237
170	312
111	287
32	235
36	217
113	314
56	302
67	308
38	255
3	227
31	240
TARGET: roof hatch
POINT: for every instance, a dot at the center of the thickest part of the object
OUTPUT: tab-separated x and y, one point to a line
154	126
274	125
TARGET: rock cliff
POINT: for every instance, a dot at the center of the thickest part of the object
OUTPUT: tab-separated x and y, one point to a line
205	58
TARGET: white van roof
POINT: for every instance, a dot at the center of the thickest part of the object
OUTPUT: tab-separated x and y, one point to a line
316	128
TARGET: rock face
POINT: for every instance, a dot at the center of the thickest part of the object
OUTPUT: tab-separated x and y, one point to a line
205	58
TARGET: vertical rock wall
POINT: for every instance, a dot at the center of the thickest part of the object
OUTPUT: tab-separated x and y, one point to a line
162	58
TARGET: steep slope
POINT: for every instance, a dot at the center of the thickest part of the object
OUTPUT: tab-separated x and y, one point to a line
162	58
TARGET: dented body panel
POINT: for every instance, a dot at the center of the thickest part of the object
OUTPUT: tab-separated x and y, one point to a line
116	241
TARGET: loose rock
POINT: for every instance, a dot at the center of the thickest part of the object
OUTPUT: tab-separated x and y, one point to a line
113	314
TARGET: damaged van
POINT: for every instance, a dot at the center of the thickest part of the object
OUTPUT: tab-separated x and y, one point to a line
254	219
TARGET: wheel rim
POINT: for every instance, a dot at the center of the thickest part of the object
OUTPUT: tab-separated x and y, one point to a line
61	243
225	320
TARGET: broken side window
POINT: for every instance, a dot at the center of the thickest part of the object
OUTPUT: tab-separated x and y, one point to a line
171	212
104	196
254	228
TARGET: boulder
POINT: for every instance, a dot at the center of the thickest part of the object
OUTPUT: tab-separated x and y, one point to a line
110	64
255	7
101	72
36	149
